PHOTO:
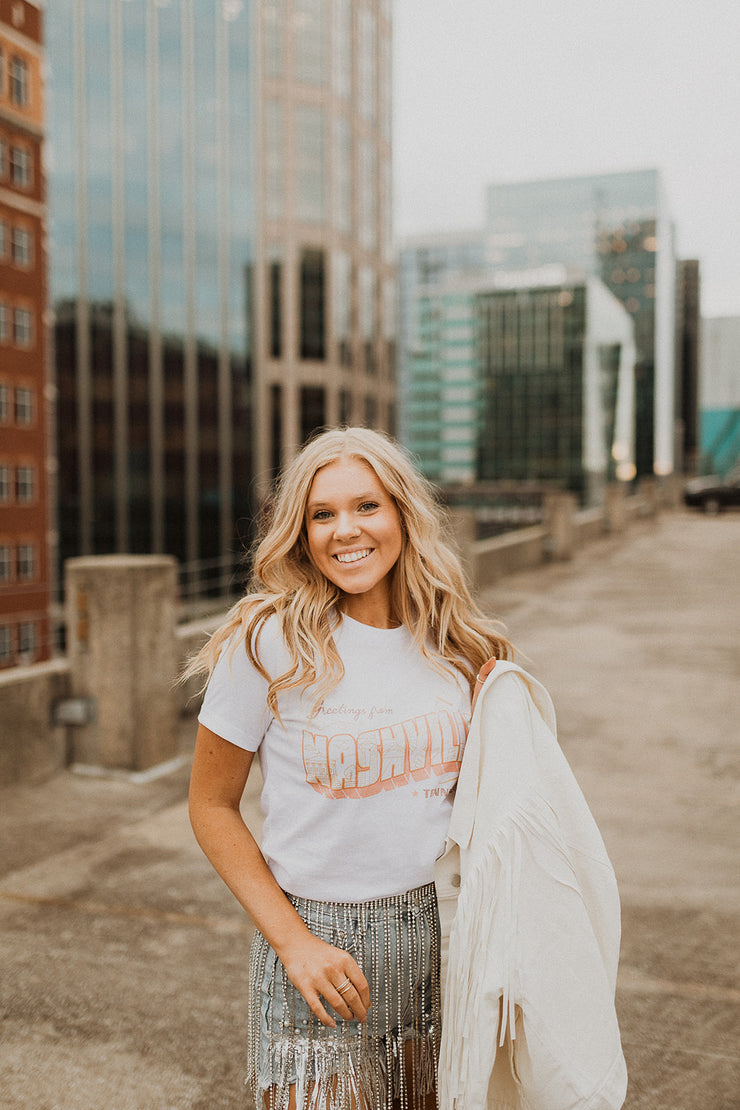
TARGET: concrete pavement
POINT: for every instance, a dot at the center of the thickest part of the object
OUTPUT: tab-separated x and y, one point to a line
124	959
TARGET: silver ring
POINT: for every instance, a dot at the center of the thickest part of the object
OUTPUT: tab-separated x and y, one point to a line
479	679
345	986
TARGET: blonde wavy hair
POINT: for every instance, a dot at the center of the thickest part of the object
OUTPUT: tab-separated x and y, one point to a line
429	594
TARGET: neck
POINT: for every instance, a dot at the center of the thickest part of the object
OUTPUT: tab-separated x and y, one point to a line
377	616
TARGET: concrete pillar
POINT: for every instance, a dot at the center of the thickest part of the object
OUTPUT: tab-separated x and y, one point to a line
647	491
670	489
559	514
615	509
121	649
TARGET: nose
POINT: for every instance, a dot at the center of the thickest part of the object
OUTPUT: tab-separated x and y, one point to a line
346	527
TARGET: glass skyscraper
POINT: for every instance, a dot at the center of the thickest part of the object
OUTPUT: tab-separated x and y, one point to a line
615	226
549	233
221	273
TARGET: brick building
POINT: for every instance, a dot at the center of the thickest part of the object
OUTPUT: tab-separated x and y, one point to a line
25	565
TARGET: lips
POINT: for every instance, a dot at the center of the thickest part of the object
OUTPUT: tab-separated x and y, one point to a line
353	556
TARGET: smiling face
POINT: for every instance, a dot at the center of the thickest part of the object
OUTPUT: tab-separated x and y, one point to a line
354	537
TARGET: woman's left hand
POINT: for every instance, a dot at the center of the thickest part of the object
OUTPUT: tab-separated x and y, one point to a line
481	677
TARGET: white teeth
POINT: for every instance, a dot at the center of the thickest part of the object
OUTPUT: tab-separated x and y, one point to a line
353	556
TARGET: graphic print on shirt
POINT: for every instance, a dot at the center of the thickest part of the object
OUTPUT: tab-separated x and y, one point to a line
358	765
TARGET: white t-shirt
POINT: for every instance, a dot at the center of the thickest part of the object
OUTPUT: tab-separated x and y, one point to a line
357	798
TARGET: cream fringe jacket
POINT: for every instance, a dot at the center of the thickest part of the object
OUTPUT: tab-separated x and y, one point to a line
529	899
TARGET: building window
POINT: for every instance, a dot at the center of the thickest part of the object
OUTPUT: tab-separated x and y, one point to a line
24	407
341	296
311	176
310	42
276	427
274	160
342	49
19	87
345	406
3	323
25	485
274	285
22	246
22	332
4	238
368	199
6	566
26	642
371	411
313	304
368	318
6	644
342	161
313	410
4	403
5	484
26	562
20	167
368	64
273	30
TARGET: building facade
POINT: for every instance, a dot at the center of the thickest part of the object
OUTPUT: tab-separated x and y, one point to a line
557	380
25	532
719	394
424	263
442	384
222	277
325	274
616	226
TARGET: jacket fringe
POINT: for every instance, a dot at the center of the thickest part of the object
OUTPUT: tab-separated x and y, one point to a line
486	925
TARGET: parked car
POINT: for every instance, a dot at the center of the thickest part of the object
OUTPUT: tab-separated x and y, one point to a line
713	493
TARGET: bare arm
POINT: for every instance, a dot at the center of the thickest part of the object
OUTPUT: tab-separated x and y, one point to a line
219	775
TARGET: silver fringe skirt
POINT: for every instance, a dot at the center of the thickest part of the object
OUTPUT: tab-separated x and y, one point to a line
388	1061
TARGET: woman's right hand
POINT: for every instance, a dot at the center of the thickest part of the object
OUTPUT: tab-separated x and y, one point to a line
217	781
317	969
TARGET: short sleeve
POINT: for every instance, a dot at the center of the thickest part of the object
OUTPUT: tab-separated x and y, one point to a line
235	701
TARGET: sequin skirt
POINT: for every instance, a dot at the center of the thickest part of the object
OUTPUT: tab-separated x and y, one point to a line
389	1059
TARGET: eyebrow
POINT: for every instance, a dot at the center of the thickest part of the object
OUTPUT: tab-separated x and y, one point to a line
374	495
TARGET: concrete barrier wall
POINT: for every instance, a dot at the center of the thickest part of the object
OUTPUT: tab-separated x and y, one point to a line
520	550
589	525
31	746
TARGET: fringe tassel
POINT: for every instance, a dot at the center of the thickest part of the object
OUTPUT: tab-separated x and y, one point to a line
486	925
387	1063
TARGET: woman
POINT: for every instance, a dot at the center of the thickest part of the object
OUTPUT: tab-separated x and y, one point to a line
349	667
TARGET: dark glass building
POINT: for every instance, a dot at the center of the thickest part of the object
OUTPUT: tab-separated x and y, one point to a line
557	380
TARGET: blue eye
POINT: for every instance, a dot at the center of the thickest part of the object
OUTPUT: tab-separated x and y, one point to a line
321	514
368	506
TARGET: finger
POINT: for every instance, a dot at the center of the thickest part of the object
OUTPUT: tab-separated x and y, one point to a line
359	982
349	1001
316	1007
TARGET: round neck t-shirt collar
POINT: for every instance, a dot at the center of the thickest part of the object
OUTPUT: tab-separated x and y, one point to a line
350	626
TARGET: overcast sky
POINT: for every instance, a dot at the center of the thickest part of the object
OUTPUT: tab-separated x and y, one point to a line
505	90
